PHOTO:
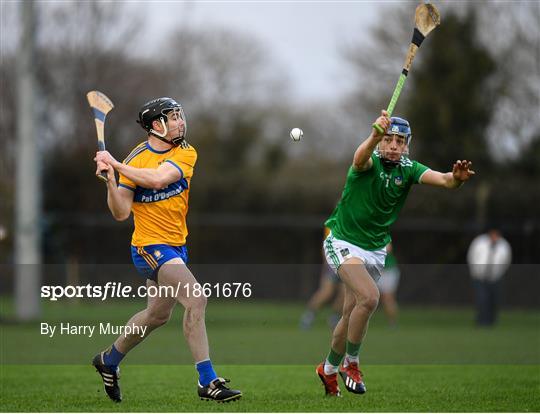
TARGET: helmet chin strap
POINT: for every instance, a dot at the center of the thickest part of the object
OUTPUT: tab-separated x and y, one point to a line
389	163
175	142
171	143
179	141
161	136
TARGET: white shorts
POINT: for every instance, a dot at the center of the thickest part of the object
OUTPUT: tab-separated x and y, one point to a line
338	251
388	283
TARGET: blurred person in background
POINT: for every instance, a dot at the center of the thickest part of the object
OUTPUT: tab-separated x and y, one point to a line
329	288
489	257
388	285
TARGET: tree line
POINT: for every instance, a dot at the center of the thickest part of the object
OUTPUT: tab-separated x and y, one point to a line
471	94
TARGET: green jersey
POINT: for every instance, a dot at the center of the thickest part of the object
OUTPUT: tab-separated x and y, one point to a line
371	202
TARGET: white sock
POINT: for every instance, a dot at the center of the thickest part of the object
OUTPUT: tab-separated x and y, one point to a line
329	369
349	358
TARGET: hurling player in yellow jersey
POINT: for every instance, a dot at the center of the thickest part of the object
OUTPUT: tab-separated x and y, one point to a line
154	184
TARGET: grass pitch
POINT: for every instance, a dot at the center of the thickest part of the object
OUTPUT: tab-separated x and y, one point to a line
435	361
151	388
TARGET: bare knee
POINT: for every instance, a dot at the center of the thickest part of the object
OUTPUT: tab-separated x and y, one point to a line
197	304
157	319
368	301
347	309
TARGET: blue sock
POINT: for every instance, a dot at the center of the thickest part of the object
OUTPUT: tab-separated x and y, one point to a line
112	356
206	372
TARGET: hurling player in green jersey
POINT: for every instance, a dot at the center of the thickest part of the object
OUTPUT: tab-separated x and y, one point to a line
376	187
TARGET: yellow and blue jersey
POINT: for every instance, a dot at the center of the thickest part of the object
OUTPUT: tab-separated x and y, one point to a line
160	215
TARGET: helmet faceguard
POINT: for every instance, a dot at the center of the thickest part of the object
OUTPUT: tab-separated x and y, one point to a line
401	128
165	110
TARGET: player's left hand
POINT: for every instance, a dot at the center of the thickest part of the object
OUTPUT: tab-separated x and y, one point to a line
461	171
106	158
101	166
383	122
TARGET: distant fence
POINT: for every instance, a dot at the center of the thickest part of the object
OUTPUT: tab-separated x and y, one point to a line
281	255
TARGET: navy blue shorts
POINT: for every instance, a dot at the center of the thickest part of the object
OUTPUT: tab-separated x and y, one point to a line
149	259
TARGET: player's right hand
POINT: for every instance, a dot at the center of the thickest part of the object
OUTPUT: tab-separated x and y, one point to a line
384	122
106	157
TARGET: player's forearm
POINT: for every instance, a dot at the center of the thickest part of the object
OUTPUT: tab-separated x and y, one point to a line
450	182
143	177
364	151
117	205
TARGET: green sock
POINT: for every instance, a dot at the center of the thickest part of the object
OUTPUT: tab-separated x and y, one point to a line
352	349
334	358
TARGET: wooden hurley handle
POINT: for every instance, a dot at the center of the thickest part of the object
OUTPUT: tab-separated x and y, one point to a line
101	105
416	41
103	174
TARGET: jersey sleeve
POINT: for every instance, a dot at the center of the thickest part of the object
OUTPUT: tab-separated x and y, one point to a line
123	180
184	160
353	172
418	170
132	160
